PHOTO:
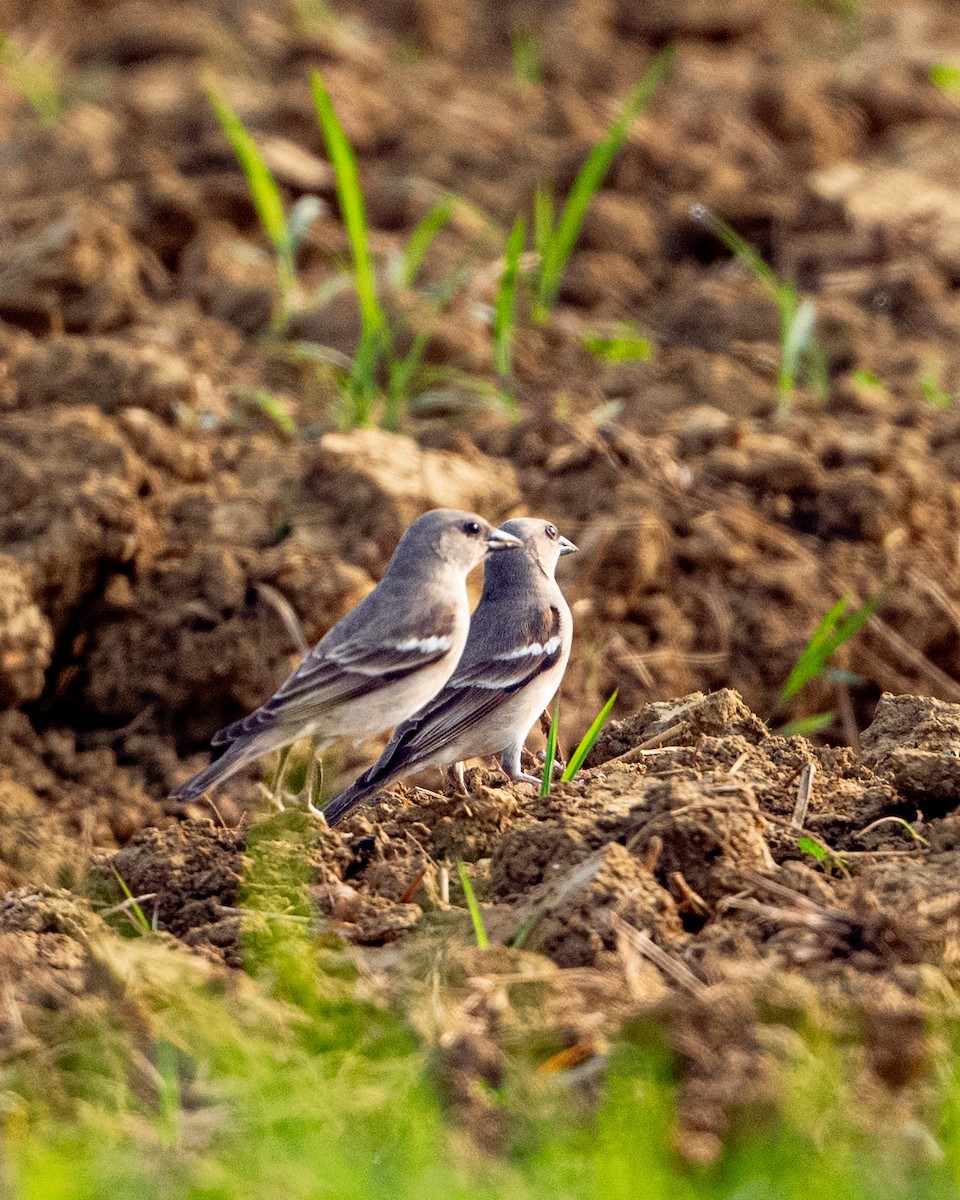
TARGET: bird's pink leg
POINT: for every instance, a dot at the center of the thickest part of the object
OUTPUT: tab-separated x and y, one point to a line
510	761
455	774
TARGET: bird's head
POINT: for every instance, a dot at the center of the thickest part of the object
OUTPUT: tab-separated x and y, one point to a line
459	539
541	542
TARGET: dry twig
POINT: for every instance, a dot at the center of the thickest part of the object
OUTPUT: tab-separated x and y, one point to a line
804	791
672	967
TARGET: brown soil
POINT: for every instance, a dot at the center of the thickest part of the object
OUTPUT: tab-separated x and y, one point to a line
151	515
673	886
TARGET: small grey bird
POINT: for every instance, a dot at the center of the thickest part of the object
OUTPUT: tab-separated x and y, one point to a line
382	661
511	668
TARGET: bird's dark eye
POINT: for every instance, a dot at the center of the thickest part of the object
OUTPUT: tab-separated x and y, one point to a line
551	531
471	527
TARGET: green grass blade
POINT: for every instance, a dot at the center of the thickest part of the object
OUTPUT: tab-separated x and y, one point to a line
853	624
35	75
476	916
818	372
353	209
526	56
550	758
829	635
945	77
626	344
422	238
274	407
814	848
362	377
742	249
140	916
798	336
579	755
543	218
804	726
931	391
504	308
264	192
811	659
523	933
401	374
589	178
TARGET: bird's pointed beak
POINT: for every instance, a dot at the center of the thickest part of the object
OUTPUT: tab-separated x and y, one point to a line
499	539
567	547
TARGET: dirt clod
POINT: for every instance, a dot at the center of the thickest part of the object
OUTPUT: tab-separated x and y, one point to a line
26	640
915	742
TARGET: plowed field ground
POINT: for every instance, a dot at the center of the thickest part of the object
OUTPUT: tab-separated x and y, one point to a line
721	960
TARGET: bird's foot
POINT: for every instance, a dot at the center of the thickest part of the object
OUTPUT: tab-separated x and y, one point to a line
455	774
313	783
523	777
511	760
304	800
272	797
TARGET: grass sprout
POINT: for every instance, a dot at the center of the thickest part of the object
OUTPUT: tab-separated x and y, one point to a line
626	344
555	241
381	383
578	757
526	55
476	916
829	860
800	349
869	380
917	837
421	240
806	726
139	917
836	627
376	370
945	77
268	203
36	75
505	308
933	394
353	209
274	407
550	756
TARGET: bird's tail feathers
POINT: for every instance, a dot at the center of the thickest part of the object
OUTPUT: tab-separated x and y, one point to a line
237	755
358	793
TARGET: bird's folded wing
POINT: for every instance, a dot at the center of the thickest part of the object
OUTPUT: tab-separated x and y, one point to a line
334	674
471	695
510	669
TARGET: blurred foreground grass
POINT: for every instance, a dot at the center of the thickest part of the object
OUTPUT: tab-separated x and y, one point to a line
292	1080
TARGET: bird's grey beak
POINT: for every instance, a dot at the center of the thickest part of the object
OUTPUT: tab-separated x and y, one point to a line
567	547
501	540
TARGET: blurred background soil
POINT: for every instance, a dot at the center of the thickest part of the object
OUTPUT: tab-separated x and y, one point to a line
145	500
153	519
